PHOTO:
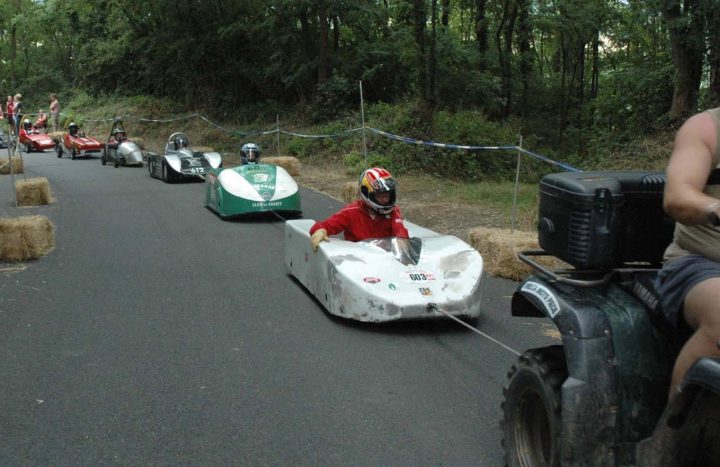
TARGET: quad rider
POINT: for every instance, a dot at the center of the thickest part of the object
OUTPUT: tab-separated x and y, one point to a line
690	278
374	215
250	153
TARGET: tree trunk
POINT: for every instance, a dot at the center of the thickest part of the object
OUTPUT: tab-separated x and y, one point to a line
481	32
504	37
419	19
432	58
687	48
323	53
526	56
445	13
714	55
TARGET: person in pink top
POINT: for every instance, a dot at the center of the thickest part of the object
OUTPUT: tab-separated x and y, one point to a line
9	113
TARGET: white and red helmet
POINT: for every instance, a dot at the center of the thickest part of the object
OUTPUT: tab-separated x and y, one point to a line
377	180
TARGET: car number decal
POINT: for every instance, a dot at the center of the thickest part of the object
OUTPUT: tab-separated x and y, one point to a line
544	295
417	276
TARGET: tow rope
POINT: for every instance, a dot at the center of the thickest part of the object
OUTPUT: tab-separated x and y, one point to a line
434	307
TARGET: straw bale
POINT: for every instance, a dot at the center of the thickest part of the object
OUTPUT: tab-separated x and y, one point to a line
499	249
17	165
56	135
202	149
289	163
349	192
27	237
140	142
33	192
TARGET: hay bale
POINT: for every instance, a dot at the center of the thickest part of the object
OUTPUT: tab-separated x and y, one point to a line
499	249
25	238
289	163
349	192
33	192
56	135
140	142
202	149
17	165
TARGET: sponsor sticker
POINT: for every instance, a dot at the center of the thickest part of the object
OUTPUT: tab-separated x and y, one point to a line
260	177
425	291
392	286
371	280
545	296
260	204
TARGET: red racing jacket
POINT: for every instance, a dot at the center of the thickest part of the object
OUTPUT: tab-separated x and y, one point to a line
359	223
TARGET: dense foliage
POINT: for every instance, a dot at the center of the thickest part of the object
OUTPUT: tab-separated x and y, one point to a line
583	76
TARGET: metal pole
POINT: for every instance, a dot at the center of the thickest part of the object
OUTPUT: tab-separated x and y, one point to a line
362	116
12	179
277	122
517	184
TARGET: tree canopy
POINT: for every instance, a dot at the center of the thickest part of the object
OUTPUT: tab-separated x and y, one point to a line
571	70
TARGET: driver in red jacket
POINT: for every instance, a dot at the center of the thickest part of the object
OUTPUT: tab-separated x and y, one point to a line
373	216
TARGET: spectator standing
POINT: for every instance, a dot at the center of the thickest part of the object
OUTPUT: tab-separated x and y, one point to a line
9	112
54	111
17	111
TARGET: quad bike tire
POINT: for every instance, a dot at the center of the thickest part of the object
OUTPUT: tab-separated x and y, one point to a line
532	407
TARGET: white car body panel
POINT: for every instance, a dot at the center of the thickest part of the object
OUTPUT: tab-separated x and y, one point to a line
361	281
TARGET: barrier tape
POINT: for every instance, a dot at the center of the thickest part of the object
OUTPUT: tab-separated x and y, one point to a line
420	142
404	139
335	135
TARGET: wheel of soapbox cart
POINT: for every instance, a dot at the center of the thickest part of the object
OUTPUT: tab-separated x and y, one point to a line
531	408
59	150
103	158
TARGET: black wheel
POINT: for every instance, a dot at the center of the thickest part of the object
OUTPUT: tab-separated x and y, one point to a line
72	154
28	148
103	158
531	408
165	175
150	167
116	162
59	150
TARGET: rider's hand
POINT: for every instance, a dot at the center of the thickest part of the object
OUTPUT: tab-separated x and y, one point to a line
320	235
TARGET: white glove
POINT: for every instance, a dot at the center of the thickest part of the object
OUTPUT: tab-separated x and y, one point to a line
320	235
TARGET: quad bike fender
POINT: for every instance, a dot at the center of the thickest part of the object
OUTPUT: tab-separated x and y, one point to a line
616	362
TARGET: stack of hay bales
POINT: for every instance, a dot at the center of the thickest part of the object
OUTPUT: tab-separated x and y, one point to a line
14	163
349	192
140	143
200	148
289	163
499	249
25	238
33	192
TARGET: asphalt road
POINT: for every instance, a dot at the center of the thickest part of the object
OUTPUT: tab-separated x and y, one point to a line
157	334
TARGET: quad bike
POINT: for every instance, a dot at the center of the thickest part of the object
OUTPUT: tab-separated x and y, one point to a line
600	397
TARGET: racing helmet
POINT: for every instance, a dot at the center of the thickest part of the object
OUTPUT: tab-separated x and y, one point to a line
27	125
73	129
250	152
374	181
181	142
119	134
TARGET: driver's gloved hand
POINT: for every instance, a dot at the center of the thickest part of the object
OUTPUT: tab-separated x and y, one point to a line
320	235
